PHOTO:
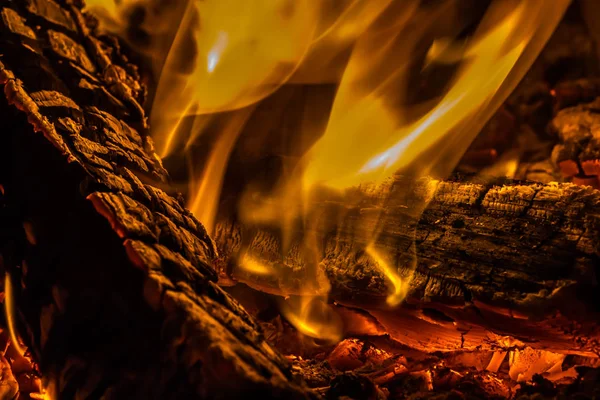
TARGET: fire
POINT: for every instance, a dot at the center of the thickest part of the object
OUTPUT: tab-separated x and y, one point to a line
399	286
9	311
227	55
207	187
41	396
500	53
313	317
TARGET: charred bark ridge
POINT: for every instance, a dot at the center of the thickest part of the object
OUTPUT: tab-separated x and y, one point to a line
114	288
493	260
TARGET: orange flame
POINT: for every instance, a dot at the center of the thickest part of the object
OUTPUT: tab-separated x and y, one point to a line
368	138
9	310
228	55
207	188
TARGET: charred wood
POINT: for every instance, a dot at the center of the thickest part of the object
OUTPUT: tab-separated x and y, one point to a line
114	289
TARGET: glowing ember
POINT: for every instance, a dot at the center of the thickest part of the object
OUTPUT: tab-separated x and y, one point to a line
528	362
40	396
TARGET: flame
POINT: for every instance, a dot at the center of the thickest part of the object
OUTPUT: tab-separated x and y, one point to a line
49	392
312	316
399	286
367	139
9	310
494	63
207	188
254	266
228	55
225	56
44	395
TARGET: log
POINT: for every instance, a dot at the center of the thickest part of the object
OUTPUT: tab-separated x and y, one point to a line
494	260
113	284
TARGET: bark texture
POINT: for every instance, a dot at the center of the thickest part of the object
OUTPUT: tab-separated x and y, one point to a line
485	261
114	287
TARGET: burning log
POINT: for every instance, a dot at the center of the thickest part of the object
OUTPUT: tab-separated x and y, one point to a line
113	286
496	264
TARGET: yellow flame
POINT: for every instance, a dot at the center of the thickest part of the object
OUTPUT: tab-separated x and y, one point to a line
9	310
344	156
228	55
254	266
48	392
341	23
313	317
368	139
399	286
207	188
368	136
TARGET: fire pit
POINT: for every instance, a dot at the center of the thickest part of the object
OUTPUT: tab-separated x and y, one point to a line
299	199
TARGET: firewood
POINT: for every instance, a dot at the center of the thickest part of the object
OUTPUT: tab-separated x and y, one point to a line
114	290
493	260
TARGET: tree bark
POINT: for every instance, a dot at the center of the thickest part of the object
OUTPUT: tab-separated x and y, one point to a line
484	260
114	289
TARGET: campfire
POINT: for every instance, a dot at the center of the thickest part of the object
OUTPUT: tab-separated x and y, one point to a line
303	199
